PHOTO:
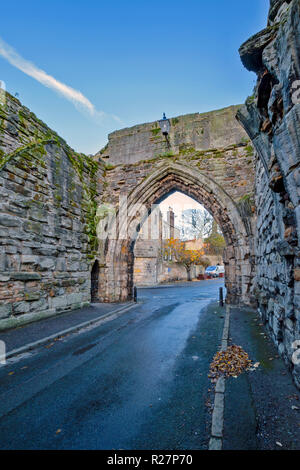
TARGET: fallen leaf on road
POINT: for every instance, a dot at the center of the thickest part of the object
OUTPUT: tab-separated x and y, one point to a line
11	373
58	431
293	397
230	363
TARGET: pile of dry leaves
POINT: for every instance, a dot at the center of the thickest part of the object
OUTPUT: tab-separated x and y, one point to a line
230	363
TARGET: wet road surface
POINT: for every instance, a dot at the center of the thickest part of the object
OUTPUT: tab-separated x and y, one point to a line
137	382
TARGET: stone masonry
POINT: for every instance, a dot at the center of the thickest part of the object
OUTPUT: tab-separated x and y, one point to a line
213	130
271	118
145	168
47	210
50	195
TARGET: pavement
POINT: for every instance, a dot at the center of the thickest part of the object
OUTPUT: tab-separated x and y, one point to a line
262	407
28	336
139	380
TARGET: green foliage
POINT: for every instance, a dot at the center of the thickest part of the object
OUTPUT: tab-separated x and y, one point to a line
36	146
250	100
215	242
104	149
156	131
186	149
218	155
250	151
245	140
58	197
85	167
246	205
166	155
109	166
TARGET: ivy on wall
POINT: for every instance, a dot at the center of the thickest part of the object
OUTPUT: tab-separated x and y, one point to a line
86	169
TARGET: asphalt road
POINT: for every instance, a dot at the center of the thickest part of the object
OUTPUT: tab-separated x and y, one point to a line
137	382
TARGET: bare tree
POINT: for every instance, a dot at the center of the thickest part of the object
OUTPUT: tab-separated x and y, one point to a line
196	224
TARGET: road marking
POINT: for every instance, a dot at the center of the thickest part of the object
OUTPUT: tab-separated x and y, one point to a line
217	427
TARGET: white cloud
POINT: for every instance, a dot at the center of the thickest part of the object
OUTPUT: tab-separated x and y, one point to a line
77	98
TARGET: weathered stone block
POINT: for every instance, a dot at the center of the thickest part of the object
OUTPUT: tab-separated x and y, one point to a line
24	276
46	264
5	311
21	307
30	259
10	221
30	296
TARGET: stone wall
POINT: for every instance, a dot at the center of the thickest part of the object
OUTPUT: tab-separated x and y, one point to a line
232	168
221	178
216	129
171	272
146	254
50	194
145	271
271	117
48	202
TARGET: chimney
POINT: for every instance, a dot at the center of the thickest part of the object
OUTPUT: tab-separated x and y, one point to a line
171	221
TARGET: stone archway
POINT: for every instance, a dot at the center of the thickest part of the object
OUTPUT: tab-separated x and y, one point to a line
117	275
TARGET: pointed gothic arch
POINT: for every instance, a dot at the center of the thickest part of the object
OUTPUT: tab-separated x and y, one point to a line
117	274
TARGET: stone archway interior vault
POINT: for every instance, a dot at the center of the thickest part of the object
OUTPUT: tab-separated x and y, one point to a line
117	275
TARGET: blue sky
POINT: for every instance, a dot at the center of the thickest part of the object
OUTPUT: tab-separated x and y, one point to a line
131	59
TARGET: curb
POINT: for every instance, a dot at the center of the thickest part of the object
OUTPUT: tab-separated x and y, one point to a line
217	427
80	326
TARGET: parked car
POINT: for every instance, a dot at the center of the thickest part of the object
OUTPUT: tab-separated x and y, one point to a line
215	271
